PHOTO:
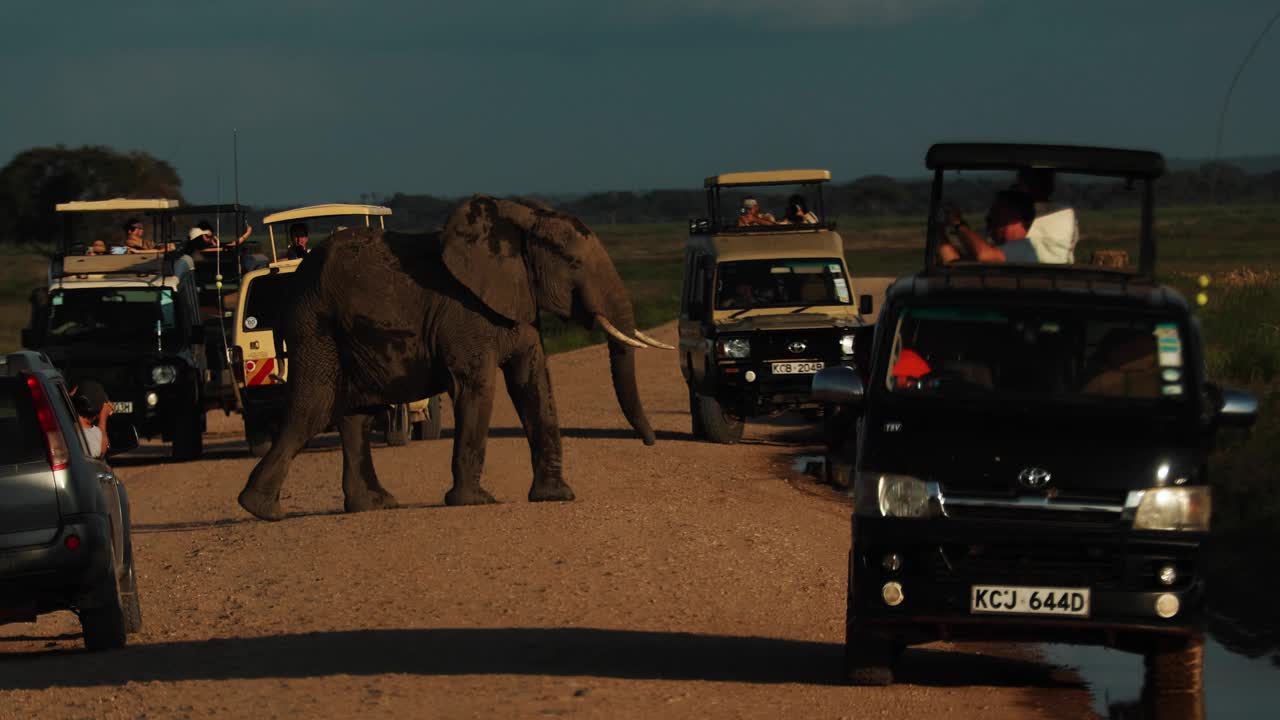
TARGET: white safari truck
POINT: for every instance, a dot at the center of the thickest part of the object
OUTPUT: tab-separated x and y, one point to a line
260	357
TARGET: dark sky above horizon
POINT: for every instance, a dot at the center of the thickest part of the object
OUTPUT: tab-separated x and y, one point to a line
334	99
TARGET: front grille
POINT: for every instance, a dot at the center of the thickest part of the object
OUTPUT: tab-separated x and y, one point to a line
773	345
1036	515
1052	565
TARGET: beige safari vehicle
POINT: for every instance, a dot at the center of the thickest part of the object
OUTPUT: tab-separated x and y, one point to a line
767	300
260	358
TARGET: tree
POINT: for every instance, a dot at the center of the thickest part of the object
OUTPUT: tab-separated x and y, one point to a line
39	178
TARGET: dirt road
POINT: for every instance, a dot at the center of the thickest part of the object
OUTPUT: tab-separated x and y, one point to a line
688	580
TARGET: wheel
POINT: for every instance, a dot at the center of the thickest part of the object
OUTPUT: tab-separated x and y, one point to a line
716	425
838	473
429	429
398	425
106	627
699	432
188	436
869	658
131	604
1173	684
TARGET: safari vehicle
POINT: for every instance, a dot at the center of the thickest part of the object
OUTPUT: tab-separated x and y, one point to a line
65	541
764	305
1032	459
260	359
218	272
132	323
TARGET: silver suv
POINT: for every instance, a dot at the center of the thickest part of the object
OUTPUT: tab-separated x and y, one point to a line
64	517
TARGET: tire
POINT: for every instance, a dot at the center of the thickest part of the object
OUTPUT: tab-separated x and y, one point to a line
188	438
429	429
838	473
398	425
716	426
106	627
132	606
869	658
699	432
1173	683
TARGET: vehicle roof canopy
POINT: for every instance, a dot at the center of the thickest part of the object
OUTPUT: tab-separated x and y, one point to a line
117	205
327	210
768	177
1064	158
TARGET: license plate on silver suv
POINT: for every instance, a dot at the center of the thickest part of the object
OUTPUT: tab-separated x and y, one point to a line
123	406
1018	600
796	368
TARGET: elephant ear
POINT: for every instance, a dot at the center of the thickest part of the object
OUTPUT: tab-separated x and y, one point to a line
485	251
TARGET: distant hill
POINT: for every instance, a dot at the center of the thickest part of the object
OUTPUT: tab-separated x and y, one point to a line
1250	164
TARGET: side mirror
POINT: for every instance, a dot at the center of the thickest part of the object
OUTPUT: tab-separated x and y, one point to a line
122	436
1236	408
838	385
866	304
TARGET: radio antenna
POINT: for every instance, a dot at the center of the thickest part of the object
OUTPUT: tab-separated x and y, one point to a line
1226	102
235	163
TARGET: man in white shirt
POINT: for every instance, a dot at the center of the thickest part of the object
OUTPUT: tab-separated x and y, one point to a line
1008	221
1055	230
92	420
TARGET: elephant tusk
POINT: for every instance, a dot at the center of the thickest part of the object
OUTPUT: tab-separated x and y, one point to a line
650	341
616	334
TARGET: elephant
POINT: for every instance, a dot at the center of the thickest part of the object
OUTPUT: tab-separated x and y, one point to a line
377	318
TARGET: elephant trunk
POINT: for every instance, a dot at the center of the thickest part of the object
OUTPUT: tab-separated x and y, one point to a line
622	367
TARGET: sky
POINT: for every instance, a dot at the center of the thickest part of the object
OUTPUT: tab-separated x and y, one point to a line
334	100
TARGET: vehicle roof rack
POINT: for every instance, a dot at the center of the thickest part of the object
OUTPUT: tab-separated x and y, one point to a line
117	205
144	263
768	177
327	210
1142	165
1063	158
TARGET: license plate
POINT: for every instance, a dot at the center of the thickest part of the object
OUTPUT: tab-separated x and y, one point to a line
124	406
1068	602
796	368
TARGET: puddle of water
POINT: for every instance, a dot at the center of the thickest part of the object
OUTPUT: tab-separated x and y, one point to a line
809	465
1235	686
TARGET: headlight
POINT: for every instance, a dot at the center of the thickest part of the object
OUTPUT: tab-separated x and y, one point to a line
733	348
163	374
846	345
1175	508
902	496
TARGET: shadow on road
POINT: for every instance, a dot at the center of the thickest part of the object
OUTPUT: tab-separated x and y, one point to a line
623	654
144	528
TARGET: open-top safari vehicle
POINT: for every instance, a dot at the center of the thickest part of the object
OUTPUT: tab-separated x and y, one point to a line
1032	459
131	322
260	356
767	300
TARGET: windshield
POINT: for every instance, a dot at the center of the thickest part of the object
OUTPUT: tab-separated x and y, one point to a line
110	313
267	296
985	350
781	283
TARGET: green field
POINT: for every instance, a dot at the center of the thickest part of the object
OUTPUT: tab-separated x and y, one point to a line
1233	245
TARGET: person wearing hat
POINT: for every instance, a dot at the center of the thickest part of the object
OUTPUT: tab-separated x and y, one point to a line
133	241
751	215
299	235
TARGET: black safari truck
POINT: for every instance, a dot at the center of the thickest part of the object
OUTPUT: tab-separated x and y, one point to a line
1031	462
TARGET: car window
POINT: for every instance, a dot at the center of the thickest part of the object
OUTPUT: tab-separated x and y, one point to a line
992	350
267	296
110	313
23	442
781	283
71	412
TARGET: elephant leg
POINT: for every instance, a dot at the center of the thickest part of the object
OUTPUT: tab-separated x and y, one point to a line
472	409
529	384
360	486
312	398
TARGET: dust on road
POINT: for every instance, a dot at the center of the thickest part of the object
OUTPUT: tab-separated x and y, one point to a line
687	580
